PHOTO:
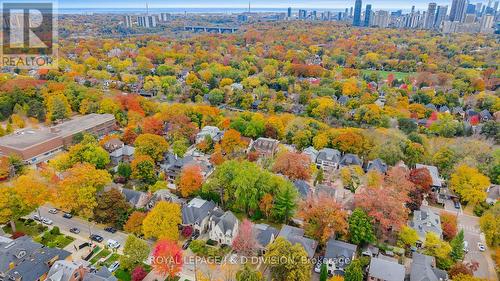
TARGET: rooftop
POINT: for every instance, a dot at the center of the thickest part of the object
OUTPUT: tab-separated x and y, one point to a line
386	270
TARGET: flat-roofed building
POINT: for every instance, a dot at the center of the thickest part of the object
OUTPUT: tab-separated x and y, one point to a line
38	145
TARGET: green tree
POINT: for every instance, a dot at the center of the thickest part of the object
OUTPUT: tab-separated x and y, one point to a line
89	151
323	274
360	228
354	271
135	252
285	203
457	246
295	267
180	146
111	205
248	274
151	145
124	170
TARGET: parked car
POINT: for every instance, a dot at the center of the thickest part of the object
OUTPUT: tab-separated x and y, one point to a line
96	237
113	244
114	266
67	215
37	217
53	211
74	230
457	205
195	235
47	221
186	244
466	246
481	247
317	266
110	229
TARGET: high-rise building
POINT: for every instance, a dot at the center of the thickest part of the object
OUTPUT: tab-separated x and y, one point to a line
440	16
164	17
487	22
302	14
458	10
357	13
495	6
350	12
469	18
368	15
127	21
314	15
478	8
471	9
146	21
381	19
413	9
289	14
431	16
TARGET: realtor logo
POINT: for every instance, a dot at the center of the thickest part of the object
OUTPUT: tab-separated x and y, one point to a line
28	34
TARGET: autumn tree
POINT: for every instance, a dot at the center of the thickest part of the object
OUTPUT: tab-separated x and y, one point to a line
143	168
162	221
360	228
11	207
245	242
294	268
434	246
151	145
470	184
231	142
135	252
134	223
295	166
490	224
88	151
407	237
322	222
248	274
77	191
354	271
58	107
111	205
190	180
266	204
449	225
138	274
167	258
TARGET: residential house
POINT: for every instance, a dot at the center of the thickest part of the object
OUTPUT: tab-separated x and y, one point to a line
325	189
444	109
303	188
295	235
209	131
223	227
196	214
311	152
437	182
328	159
370	251
493	194
459	111
265	235
385	270
425	220
163	195
138	199
118	151
24	259
349	160
343	100
431	107
485	115
266	147
338	256
173	165
64	270
423	268
378	165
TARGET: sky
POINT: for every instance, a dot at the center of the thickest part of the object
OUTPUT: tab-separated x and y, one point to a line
318	4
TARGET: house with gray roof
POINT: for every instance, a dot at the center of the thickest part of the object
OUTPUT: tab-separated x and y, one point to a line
163	195
423	268
172	165
196	213
311	152
425	220
223	227
64	270
328	159
385	270
493	194
265	235
378	165
266	147
338	256
209	131
303	188
24	259
136	198
437	182
295	235
349	160
118	151
485	115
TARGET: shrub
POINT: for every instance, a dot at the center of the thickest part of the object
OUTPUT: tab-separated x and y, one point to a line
187	231
55	231
17	234
197	246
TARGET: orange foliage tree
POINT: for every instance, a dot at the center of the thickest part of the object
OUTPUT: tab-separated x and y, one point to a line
167	258
190	180
293	165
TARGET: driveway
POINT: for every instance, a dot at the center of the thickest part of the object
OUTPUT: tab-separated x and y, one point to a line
85	227
473	235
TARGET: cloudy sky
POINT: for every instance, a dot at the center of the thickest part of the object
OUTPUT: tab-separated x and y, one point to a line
319	4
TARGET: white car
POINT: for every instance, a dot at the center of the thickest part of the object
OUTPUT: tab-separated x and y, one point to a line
481	247
466	246
37	217
113	244
114	266
53	211
47	221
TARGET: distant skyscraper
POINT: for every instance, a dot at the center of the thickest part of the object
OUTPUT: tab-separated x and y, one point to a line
350	12
127	21
478	8
430	16
440	16
302	14
380	19
146	21
487	22
357	13
458	10
471	9
289	14
368	14
495	6
413	9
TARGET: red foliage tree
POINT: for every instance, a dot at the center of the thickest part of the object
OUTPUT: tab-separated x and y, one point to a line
167	258
422	179
152	125
187	231
17	234
138	274
449	225
129	135
244	242
293	165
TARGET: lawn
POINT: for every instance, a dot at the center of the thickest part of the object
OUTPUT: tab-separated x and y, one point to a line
123	275
102	254
29	227
114	257
54	239
384	74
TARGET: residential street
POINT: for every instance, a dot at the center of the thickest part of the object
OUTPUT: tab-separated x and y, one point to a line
472	233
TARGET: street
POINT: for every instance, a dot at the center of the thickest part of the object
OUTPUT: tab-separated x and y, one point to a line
66	224
472	234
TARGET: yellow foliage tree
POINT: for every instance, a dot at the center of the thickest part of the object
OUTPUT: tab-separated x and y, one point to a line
470	184
161	222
